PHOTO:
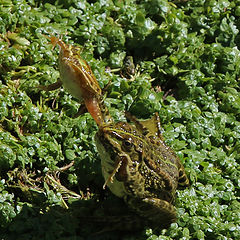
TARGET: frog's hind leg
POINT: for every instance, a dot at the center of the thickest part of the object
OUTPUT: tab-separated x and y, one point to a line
158	212
81	110
51	87
148	127
138	123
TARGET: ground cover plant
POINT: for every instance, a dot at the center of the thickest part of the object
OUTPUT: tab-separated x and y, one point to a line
187	67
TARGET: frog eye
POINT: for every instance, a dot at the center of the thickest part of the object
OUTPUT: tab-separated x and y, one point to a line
127	144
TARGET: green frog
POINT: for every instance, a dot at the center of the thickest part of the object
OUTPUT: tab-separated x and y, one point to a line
140	168
129	67
129	70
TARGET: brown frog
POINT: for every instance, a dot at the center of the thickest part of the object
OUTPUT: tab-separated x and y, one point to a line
77	77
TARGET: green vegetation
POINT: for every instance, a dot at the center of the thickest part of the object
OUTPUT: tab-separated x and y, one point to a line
187	61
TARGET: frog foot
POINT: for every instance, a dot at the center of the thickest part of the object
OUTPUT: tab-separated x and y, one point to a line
158	212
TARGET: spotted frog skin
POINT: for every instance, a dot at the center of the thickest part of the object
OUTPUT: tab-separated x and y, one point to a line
140	168
129	67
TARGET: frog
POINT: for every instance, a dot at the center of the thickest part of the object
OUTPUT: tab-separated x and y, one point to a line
78	79
129	66
140	168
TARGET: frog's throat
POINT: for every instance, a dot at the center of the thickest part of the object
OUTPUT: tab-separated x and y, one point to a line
111	176
118	164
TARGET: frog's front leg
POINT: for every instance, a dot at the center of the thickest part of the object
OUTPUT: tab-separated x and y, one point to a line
51	87
158	212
